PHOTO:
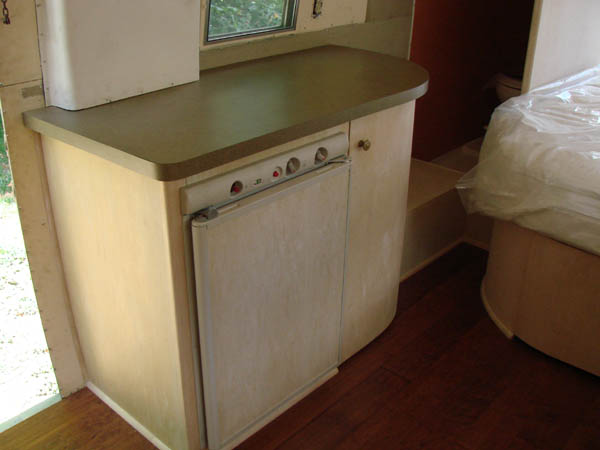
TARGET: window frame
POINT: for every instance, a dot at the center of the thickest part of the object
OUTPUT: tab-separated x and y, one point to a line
290	16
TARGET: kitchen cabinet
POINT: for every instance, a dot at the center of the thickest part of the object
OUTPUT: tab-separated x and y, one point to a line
122	243
115	173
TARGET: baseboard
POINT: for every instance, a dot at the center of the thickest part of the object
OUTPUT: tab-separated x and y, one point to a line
429	260
507	332
475	243
126	416
30	412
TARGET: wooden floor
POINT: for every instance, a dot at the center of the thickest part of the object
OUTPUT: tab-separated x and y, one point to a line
81	421
440	377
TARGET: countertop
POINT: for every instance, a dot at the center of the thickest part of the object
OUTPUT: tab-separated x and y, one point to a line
235	111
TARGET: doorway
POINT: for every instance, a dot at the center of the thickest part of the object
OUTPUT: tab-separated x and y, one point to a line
27	380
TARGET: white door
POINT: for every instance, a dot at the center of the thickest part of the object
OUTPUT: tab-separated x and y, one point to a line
269	274
378	195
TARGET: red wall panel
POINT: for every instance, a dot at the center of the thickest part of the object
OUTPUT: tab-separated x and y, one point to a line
463	44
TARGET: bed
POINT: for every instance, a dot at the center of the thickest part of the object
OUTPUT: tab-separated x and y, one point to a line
539	177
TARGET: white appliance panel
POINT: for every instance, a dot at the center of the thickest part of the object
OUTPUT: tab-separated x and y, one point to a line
269	277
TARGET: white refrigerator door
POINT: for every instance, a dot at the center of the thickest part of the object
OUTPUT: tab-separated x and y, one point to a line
269	275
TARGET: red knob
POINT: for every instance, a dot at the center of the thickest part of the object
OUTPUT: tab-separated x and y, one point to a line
236	187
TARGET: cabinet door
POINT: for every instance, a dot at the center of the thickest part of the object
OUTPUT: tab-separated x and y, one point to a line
269	274
378	191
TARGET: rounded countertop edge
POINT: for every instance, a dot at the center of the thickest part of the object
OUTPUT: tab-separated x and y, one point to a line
184	169
41	121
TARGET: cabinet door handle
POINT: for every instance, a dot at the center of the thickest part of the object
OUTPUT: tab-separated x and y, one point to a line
365	144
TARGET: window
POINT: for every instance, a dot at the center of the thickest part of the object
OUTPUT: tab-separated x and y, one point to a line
234	18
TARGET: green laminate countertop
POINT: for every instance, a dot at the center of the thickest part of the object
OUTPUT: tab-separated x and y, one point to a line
235	111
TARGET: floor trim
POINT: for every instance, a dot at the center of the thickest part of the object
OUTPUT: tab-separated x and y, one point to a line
127	417
507	332
476	243
30	412
431	259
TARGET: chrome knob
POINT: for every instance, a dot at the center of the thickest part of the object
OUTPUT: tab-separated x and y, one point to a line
292	166
365	144
321	155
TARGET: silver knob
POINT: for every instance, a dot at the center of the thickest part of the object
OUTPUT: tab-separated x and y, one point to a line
365	144
321	154
292	166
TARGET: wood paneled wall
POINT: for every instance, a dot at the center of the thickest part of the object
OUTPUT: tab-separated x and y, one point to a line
463	44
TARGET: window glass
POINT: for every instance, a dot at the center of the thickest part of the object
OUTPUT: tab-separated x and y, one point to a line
234	18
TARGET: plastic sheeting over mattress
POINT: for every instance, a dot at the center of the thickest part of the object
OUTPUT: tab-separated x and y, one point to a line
540	162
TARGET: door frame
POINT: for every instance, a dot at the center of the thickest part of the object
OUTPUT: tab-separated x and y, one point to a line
21	90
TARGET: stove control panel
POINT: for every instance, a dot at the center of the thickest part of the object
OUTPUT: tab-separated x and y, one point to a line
242	182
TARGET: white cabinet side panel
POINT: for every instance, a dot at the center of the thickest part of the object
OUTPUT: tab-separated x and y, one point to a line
97	52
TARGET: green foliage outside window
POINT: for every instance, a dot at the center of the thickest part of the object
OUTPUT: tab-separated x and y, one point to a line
5	176
238	16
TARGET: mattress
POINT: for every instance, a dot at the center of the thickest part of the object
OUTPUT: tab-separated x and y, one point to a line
539	165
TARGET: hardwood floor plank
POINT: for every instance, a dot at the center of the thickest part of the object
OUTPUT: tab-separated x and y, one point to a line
339	420
81	421
456	389
464	385
406	327
388	430
414	358
422	315
351	374
587	434
542	408
553	413
444	268
442	376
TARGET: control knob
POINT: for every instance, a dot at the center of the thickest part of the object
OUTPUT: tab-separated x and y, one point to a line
321	155
292	166
236	188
